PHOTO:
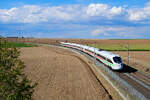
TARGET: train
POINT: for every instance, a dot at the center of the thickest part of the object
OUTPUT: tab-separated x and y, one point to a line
109	59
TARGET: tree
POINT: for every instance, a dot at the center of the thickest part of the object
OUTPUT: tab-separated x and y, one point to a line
14	84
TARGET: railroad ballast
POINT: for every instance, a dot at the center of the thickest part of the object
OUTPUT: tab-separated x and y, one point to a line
113	61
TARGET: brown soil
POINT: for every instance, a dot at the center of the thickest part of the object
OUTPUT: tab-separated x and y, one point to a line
61	75
138	59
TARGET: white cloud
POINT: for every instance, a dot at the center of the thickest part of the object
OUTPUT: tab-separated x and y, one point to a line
121	31
26	14
116	11
73	13
103	10
106	31
139	14
35	14
99	32
97	9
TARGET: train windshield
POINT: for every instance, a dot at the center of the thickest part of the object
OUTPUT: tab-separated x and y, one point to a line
99	49
117	59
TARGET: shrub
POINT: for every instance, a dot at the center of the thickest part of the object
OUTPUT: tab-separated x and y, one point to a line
14	84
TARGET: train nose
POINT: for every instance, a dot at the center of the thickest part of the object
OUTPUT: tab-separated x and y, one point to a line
119	67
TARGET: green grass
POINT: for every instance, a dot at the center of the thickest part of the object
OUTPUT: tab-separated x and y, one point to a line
17	45
117	47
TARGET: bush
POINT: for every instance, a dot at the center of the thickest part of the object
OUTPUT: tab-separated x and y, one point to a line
14	85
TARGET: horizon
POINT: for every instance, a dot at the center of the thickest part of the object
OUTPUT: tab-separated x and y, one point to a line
81	38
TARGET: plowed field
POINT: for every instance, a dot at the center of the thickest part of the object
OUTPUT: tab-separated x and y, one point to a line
61	75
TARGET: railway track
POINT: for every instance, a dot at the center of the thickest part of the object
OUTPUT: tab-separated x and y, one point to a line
137	82
141	77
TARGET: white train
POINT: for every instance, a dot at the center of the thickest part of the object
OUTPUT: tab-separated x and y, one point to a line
114	61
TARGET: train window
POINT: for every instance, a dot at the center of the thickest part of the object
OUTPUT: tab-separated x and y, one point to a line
117	59
87	50
99	49
109	60
101	56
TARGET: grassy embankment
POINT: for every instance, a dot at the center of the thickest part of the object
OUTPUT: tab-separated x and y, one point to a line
118	47
17	45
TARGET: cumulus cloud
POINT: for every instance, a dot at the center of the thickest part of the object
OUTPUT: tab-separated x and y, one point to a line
96	9
35	14
116	11
73	13
24	14
138	14
103	10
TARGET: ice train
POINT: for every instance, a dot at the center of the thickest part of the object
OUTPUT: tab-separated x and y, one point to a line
111	60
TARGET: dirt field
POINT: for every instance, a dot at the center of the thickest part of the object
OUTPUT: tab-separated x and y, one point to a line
138	59
61	75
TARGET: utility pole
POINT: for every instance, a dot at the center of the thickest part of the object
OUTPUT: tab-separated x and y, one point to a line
128	53
94	54
127	47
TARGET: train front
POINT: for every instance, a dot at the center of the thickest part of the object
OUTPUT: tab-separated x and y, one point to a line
117	63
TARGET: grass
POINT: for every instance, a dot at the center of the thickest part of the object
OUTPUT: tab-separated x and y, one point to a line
17	45
118	47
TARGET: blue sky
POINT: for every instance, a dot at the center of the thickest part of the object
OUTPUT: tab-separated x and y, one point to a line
97	19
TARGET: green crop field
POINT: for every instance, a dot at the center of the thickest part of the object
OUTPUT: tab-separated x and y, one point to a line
123	47
14	44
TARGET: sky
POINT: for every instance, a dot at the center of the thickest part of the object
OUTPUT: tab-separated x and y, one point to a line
93	19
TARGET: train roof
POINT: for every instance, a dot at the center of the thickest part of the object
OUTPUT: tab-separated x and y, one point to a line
107	54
